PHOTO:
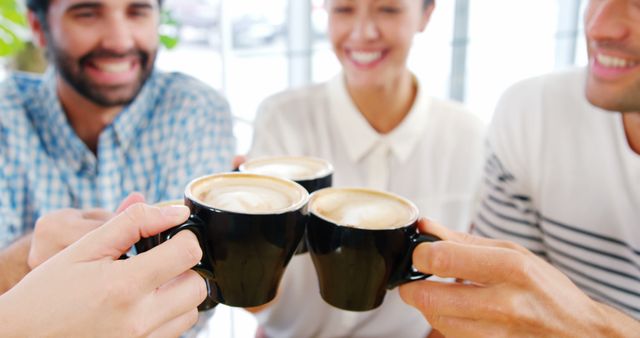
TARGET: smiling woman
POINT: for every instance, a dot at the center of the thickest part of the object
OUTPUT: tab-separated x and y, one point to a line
380	128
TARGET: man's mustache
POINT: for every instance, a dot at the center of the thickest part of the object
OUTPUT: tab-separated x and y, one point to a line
104	53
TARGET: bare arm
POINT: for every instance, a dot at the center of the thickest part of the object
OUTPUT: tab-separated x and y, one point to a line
13	263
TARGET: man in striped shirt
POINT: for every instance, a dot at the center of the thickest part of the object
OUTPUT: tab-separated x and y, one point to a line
563	181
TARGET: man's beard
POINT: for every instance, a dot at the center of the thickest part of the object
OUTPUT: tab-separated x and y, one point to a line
72	71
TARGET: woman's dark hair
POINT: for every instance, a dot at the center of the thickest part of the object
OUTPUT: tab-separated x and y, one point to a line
426	3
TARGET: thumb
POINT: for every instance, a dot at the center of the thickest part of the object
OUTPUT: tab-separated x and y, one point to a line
237	161
133	198
433	228
121	232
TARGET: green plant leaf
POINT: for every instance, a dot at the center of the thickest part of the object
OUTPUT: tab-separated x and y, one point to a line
169	30
13	25
10	43
9	4
169	42
16	17
13	11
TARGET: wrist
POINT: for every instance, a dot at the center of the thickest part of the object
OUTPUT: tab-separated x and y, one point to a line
13	263
11	323
614	323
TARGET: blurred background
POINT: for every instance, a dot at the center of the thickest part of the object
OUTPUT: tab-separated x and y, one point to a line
249	49
471	51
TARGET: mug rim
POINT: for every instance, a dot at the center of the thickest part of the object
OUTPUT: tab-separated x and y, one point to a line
299	204
313	196
327	170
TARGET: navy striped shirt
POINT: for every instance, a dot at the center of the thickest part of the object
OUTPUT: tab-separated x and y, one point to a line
562	181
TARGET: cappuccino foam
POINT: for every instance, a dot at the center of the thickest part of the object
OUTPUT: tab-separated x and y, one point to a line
247	194
362	208
293	168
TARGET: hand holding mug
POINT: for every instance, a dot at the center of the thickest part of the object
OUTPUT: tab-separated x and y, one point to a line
248	226
509	292
86	291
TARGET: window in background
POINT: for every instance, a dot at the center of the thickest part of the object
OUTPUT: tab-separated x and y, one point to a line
524	39
236	46
250	49
430	57
581	48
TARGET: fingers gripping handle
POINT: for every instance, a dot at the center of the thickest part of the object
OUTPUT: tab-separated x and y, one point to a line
195	224
192	224
408	272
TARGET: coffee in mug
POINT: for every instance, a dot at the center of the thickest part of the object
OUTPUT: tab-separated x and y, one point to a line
361	243
311	172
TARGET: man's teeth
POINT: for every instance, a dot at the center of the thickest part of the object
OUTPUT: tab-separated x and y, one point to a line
365	57
114	67
614	62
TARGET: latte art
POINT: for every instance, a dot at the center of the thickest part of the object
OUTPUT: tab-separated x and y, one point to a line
361	208
246	199
249	194
290	167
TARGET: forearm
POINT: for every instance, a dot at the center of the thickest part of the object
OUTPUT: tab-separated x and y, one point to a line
13	263
12	323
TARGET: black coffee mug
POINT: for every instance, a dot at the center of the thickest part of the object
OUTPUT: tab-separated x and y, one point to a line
310	172
248	226
361	243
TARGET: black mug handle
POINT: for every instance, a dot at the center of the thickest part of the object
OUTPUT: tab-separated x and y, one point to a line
407	272
146	244
193	224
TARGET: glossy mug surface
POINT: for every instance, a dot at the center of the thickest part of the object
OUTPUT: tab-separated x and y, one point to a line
310	172
361	243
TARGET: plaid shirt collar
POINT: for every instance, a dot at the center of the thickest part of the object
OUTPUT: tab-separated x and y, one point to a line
59	137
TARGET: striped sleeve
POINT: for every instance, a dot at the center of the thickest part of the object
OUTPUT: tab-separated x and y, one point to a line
505	211
602	259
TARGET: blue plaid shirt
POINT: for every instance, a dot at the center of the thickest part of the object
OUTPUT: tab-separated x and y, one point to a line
175	130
